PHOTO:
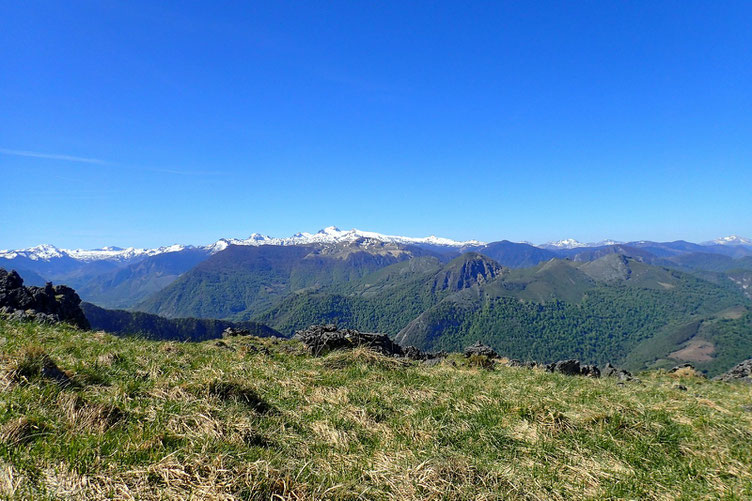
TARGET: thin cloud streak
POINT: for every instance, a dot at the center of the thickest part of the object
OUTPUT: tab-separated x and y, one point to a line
96	161
52	156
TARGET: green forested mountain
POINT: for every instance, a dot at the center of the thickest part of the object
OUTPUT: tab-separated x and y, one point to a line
597	311
614	309
155	327
126	286
515	254
242	281
385	300
599	306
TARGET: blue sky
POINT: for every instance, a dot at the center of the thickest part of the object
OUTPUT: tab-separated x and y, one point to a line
149	123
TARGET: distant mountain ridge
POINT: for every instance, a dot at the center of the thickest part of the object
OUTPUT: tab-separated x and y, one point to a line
329	235
115	277
326	236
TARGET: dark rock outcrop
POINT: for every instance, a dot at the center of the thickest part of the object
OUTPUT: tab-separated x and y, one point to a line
480	349
233	331
740	372
611	371
569	367
573	367
590	371
321	339
48	304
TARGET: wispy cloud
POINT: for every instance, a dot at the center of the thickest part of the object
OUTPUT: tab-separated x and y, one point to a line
96	161
52	156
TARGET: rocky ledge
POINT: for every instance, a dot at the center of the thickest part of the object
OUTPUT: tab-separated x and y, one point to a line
321	339
48	304
740	372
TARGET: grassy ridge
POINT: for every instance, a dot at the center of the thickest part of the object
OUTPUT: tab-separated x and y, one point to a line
253	418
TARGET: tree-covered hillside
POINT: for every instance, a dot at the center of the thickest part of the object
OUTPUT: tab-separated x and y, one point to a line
247	280
159	328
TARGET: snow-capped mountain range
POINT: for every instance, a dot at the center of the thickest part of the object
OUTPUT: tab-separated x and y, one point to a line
571	243
45	252
330	235
333	235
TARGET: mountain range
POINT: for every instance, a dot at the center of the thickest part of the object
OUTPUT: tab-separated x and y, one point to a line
642	303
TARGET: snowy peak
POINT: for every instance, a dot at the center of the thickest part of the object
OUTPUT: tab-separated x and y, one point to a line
47	252
40	252
333	235
567	243
571	243
604	243
730	240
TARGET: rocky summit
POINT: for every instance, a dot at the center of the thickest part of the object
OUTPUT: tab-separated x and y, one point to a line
48	304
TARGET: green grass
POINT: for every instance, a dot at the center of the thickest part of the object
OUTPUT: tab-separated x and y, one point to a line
259	418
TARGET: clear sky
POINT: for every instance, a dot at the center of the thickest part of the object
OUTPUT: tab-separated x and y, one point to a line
150	123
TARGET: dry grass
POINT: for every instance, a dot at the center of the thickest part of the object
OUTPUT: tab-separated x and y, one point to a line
265	421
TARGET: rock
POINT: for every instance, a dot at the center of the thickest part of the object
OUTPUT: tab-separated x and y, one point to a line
481	349
611	371
740	372
517	363
48	304
233	331
685	370
414	353
608	370
321	339
569	367
590	371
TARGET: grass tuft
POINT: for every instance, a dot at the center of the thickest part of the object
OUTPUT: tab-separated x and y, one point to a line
23	430
34	364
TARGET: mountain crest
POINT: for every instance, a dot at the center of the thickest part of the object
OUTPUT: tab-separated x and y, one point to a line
467	270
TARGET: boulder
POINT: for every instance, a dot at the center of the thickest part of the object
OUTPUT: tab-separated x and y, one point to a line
590	371
48	304
321	339
480	349
740	372
611	371
569	367
232	332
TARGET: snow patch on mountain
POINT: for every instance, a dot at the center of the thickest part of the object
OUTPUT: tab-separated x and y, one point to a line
330	235
567	243
46	252
730	240
333	235
571	243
